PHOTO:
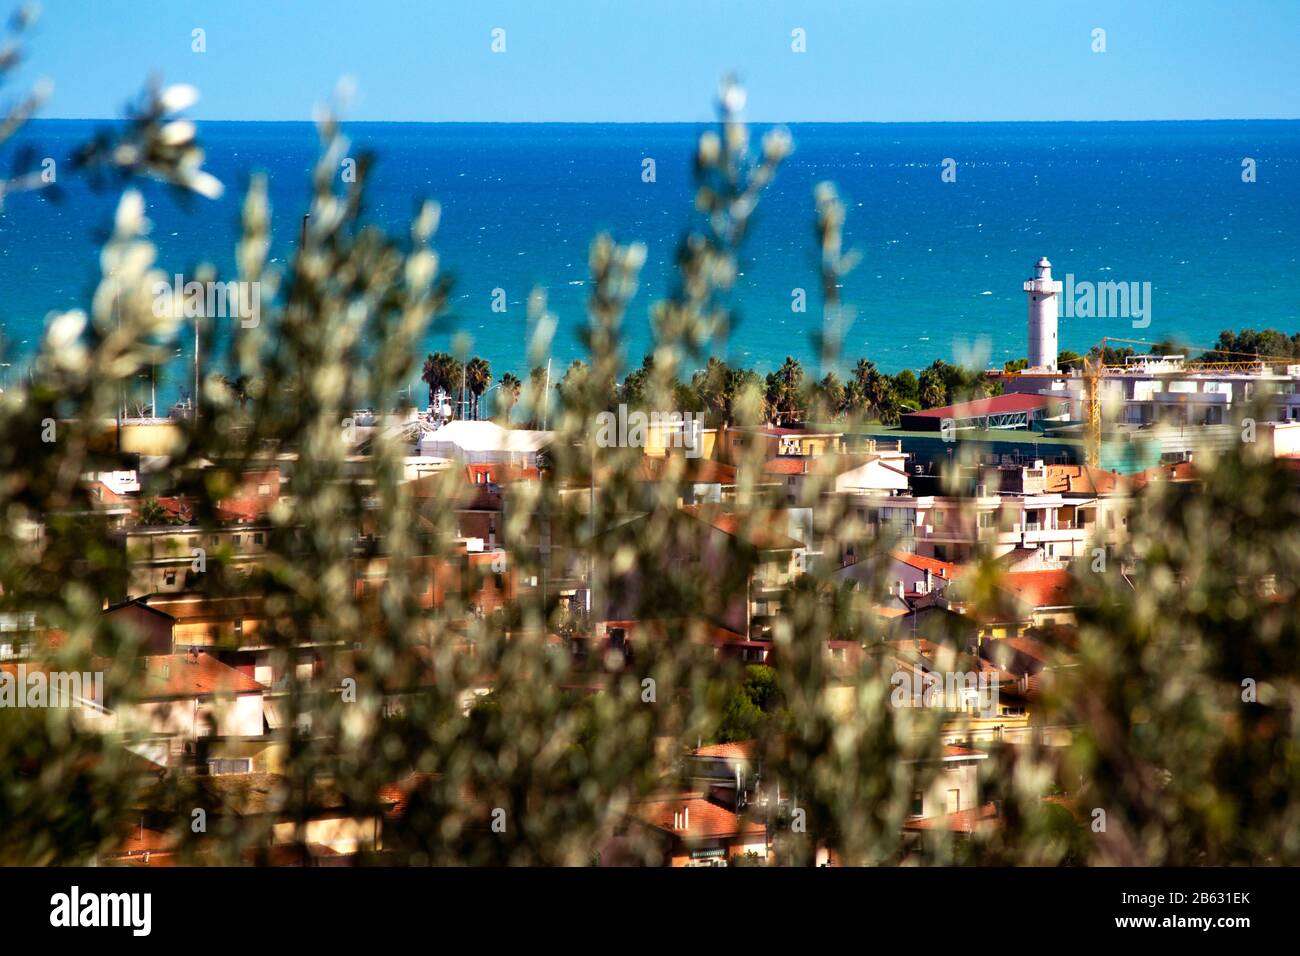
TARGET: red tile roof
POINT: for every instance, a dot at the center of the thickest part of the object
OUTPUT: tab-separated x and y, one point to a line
705	819
665	628
997	405
963	821
1082	479
1040	589
786	465
762	530
941	569
1176	471
739	750
1031	648
192	675
700	470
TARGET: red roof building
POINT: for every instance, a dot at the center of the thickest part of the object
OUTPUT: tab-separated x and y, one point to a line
1016	410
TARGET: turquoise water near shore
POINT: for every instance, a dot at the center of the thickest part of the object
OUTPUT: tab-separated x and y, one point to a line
942	262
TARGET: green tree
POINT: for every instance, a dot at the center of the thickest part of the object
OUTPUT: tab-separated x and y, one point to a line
478	376
785	400
508	395
932	388
442	371
152	513
751	705
907	390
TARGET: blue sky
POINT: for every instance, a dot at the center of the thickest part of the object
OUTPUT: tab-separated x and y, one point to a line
656	61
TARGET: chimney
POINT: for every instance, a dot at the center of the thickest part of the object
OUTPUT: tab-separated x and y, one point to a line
929	581
901	590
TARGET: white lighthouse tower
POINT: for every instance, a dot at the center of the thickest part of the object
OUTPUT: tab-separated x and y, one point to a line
1044	296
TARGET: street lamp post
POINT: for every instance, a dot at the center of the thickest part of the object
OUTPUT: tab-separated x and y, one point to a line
488	389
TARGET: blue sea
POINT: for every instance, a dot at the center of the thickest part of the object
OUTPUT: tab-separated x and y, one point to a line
941	262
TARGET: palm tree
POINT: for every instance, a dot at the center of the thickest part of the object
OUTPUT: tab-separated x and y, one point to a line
784	400
441	371
152	513
874	392
510	389
478	376
831	396
933	388
537	382
711	385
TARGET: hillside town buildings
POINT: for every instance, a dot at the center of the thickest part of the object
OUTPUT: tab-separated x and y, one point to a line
909	519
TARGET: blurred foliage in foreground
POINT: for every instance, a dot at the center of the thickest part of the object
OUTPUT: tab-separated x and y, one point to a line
1160	737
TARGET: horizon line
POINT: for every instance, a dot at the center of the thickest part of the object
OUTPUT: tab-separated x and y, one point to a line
698	122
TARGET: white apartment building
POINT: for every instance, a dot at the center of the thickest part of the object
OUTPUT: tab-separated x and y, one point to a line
1165	389
957	529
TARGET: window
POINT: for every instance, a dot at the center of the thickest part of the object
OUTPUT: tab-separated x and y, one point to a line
226	765
986	519
938	519
258	538
170	578
918	803
953	801
263	490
